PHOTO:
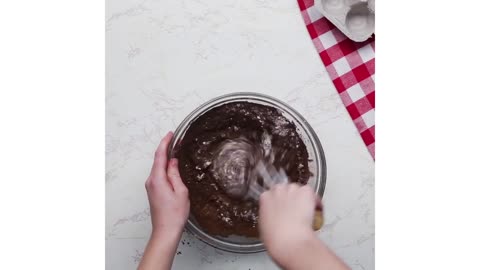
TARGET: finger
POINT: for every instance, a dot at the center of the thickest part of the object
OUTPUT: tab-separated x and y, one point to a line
293	187
308	192
263	197
307	189
160	161
174	177
279	187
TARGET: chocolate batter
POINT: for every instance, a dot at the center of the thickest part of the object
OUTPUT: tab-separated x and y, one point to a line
217	159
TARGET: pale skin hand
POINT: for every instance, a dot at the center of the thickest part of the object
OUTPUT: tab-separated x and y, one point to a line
286	218
169	208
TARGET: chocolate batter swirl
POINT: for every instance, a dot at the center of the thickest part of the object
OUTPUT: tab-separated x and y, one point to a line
233	165
218	156
236	166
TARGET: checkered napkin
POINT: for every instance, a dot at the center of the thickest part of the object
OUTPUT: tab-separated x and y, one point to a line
351	67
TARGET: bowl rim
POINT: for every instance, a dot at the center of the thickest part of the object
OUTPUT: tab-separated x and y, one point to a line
276	103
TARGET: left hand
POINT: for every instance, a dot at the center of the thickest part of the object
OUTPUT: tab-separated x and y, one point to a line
167	195
169	207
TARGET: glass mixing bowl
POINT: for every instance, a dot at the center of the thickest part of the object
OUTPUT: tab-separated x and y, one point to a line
317	165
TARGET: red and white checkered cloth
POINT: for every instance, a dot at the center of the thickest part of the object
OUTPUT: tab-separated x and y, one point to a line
351	67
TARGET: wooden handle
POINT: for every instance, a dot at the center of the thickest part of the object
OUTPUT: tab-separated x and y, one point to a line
317	220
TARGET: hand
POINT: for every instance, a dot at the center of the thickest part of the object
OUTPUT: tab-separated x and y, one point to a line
169	207
167	195
286	217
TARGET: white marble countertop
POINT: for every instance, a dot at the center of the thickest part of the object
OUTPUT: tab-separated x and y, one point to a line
166	57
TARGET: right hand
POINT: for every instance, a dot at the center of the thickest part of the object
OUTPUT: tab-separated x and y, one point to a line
286	218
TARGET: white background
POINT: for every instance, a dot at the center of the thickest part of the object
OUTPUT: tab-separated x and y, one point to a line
52	136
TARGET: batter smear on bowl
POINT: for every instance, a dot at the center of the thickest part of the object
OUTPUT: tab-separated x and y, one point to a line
218	157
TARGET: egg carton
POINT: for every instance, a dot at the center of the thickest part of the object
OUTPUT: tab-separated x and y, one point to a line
355	18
